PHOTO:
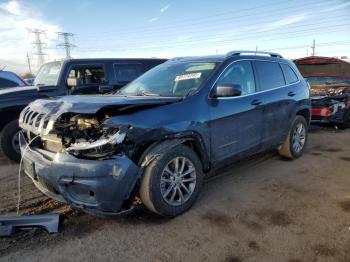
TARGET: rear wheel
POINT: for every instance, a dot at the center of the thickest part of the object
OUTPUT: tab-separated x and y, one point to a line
172	181
9	141
294	145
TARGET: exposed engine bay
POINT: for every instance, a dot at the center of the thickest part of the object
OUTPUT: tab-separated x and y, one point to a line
83	136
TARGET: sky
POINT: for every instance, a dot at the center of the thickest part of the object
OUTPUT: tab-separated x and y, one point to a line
169	28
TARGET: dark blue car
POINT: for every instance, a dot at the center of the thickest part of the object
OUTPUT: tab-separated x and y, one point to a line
154	139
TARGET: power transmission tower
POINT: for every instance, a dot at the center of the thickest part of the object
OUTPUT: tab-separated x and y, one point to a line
313	47
29	65
67	45
39	45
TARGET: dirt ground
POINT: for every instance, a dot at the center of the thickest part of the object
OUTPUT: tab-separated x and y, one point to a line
261	209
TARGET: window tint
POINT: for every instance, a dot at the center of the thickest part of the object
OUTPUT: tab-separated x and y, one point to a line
7	83
239	73
289	74
126	73
89	75
269	75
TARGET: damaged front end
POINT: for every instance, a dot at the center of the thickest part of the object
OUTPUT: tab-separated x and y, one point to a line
60	150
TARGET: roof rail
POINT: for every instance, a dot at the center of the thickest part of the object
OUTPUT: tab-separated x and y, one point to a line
240	52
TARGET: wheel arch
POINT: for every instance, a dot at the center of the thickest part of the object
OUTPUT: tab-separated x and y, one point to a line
8	116
190	139
305	112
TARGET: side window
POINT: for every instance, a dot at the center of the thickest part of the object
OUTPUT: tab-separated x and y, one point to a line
126	73
269	75
93	75
289	74
239	73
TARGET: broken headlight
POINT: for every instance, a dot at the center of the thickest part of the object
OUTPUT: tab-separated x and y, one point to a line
99	148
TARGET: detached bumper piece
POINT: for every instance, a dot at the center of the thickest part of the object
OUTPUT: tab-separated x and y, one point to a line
100	187
49	222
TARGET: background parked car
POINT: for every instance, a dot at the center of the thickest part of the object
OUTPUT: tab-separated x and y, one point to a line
68	77
29	81
10	79
329	79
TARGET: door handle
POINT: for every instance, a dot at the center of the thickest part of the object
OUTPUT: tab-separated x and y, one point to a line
256	102
291	93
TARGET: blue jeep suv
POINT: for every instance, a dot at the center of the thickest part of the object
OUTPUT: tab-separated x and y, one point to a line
153	141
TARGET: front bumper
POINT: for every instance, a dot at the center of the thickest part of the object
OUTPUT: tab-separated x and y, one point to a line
100	187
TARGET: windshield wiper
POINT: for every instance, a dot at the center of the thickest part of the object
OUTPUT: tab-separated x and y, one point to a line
146	94
188	94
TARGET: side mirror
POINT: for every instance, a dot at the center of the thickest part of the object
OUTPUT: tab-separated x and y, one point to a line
73	82
227	90
105	89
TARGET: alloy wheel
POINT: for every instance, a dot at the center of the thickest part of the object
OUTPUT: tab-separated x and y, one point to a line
299	137
178	181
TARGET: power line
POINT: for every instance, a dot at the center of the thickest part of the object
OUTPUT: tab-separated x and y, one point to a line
39	45
251	35
254	30
67	45
234	16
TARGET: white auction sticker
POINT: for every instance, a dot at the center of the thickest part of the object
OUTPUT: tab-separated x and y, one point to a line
188	76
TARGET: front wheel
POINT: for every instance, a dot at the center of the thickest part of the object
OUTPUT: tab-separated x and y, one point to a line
9	141
172	181
294	144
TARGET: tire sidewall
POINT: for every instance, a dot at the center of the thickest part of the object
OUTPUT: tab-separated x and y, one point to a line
157	167
297	120
346	122
6	140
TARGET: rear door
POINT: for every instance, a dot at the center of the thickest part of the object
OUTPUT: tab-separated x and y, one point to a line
235	124
276	101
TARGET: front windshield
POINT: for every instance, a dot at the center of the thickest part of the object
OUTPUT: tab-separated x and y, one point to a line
48	74
170	80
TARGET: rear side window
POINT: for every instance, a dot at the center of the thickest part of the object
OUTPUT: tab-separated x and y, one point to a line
126	73
7	83
289	74
269	75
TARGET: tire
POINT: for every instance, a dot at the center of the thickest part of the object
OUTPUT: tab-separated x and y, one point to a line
289	151
153	188
346	121
8	135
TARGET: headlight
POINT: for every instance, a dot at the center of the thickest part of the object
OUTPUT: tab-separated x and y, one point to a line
114	139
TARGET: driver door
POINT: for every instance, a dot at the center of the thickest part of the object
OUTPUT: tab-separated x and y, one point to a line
236	122
89	79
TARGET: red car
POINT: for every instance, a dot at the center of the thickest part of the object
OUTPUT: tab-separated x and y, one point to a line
329	79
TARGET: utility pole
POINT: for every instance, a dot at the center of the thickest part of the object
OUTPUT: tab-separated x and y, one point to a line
39	45
67	45
29	66
313	47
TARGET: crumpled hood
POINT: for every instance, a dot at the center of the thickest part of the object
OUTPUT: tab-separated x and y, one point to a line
40	115
90	104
